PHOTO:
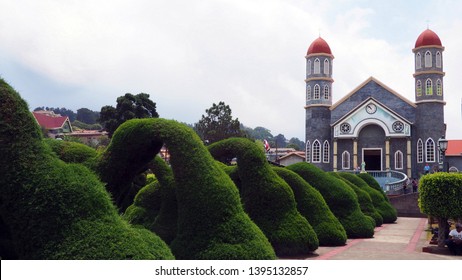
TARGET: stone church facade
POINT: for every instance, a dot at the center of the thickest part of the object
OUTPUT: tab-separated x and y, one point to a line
374	124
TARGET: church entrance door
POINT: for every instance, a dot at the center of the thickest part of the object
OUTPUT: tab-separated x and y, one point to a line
373	159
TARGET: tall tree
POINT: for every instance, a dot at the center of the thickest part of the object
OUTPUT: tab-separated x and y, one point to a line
218	124
128	107
87	116
296	143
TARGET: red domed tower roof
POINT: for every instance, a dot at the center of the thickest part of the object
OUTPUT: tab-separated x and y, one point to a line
319	46
428	38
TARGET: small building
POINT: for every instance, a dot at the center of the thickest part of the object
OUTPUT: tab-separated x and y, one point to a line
90	137
53	124
292	158
454	155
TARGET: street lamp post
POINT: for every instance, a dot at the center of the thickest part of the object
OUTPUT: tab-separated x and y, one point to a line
443	146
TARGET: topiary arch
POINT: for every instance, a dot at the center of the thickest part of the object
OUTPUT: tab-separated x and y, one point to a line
267	198
54	210
211	221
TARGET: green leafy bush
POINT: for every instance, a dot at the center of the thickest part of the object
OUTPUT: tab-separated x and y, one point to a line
440	195
364	199
72	152
267	198
370	180
211	221
383	206
340	198
313	207
155	207
54	210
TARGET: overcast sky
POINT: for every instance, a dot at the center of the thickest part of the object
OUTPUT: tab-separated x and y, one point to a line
190	54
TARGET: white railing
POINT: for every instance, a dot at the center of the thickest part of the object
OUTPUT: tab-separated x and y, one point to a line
391	181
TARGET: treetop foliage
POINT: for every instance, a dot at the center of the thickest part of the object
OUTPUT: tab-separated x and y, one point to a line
218	124
128	107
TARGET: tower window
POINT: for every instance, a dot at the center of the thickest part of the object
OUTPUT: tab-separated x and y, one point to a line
325	152
428	59
420	151
439	88
308	92
326	92
316	151
418	88
398	160
418	61
345	160
308	67
326	66
308	151
430	150
428	87
438	59
317	66
317	92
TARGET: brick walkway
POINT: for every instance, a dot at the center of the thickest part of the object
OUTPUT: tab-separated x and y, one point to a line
403	240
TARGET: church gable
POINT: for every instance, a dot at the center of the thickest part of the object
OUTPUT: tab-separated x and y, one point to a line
372	88
371	112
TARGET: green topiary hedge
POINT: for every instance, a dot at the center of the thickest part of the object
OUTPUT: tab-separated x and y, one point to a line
267	198
313	207
159	216
370	180
72	152
211	221
341	199
364	199
54	210
384	207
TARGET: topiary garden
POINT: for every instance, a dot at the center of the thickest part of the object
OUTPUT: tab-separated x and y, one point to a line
267	198
340	198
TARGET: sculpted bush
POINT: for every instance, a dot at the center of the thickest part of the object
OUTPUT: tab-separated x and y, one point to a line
211	221
267	198
54	210
313	207
155	206
382	205
340	198
364	200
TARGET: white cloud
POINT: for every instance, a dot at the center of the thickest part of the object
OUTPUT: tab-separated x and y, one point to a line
250	54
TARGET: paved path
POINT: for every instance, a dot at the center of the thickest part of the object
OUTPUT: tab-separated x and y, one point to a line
402	240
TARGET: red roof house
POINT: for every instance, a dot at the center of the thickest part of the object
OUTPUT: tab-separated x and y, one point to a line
54	123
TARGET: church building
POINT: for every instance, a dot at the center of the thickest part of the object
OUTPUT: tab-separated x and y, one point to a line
374	125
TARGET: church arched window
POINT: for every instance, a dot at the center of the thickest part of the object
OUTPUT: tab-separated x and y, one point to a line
316	151
428	87
418	61
428	59
326	92
317	92
420	151
398	160
326	66
430	150
439	87
308	67
317	66
345	160
308	151
418	88
325	152
308	92
438	59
